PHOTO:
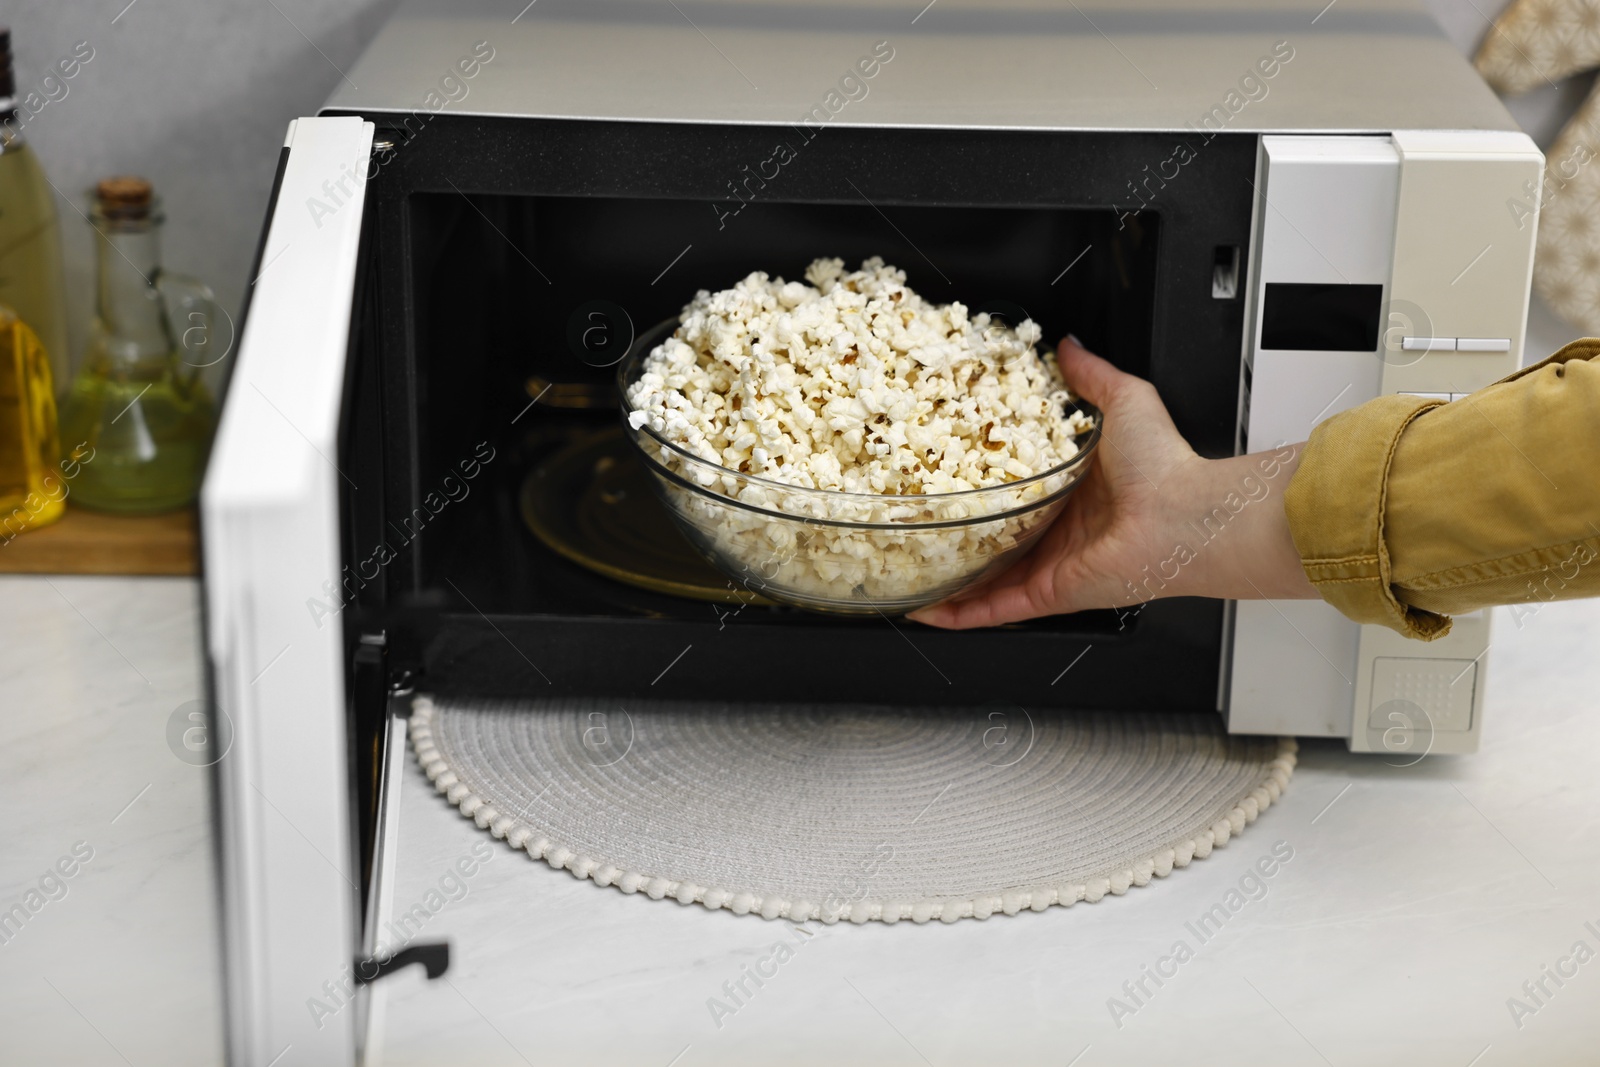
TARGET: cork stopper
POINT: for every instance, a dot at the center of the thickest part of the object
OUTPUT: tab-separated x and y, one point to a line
124	196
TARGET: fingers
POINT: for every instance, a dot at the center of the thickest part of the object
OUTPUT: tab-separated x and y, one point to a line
1033	587
1091	377
1012	597
993	606
1138	428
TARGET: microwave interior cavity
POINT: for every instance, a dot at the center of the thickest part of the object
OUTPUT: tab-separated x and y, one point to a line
463	364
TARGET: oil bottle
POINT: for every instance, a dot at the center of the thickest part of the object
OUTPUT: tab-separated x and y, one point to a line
32	490
138	407
31	279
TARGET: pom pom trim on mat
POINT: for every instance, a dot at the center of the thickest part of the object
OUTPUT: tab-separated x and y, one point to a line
980	906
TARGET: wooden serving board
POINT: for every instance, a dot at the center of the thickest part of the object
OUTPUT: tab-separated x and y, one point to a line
92	542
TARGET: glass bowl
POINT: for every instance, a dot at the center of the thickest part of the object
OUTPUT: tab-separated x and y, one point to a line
847	553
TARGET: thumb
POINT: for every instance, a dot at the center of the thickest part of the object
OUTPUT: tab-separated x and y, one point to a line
1091	377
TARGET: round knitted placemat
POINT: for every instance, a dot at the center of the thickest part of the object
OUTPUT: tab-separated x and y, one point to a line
827	812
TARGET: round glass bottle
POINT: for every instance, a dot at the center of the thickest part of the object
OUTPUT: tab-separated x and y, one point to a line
135	402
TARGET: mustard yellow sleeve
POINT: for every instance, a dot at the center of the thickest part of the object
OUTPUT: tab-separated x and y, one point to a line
1406	511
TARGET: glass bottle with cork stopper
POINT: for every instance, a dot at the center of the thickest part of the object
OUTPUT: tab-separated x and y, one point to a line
136	404
31	278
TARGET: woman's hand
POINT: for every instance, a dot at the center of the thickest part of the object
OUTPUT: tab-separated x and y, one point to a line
1151	519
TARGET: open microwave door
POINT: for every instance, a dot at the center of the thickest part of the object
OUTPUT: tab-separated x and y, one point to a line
270	529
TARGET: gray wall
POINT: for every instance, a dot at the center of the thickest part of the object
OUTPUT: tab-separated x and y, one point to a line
195	95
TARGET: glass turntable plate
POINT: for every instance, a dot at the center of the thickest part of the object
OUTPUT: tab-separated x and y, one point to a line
592	503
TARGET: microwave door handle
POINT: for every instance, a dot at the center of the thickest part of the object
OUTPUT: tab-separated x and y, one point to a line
433	955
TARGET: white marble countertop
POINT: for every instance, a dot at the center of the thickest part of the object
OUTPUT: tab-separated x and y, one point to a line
1418	901
124	968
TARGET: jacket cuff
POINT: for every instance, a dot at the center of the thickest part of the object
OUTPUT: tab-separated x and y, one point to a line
1335	505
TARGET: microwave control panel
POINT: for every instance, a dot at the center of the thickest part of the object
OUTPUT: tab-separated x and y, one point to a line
1385	265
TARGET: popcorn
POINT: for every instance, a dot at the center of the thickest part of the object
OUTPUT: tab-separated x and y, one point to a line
855	386
855	383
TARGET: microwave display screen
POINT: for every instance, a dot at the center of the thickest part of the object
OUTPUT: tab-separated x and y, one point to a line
1321	318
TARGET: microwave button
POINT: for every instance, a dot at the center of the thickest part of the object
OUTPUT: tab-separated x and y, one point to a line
1428	344
1483	344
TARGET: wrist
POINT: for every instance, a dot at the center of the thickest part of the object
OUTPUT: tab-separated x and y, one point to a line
1226	534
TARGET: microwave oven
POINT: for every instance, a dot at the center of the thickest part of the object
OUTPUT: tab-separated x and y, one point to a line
1271	216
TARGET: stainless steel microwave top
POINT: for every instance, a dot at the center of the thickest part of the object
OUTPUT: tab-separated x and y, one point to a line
1357	66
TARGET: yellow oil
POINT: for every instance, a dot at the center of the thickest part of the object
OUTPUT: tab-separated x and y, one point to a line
145	431
31	280
33	490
